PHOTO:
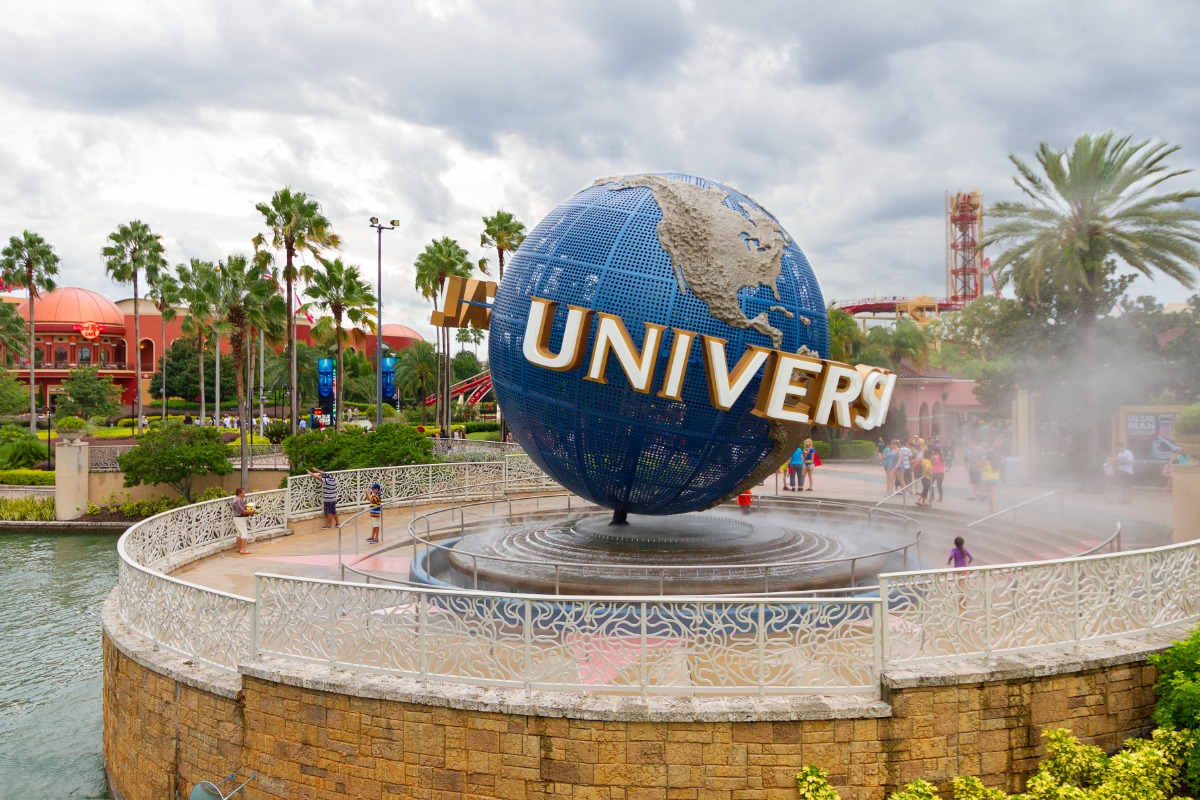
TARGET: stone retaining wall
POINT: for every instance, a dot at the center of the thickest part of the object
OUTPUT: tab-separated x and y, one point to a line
310	732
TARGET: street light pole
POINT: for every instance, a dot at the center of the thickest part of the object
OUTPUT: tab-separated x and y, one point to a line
379	229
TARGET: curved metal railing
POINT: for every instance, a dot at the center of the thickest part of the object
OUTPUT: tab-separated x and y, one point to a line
761	645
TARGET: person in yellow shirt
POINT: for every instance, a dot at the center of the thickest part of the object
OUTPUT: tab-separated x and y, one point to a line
926	468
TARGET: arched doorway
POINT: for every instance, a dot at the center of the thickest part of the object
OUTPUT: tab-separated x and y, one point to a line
939	425
923	421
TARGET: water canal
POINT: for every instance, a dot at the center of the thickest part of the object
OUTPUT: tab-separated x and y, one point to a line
51	589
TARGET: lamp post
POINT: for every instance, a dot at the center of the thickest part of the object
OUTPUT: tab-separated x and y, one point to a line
379	229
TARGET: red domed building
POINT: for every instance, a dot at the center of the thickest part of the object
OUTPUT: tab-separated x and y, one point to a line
76	327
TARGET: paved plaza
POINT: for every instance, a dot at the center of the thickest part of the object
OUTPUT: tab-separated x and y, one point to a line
1086	520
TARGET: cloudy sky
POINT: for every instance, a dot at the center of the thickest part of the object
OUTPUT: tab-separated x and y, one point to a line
849	121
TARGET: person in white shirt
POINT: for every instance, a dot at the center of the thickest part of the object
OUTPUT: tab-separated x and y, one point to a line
1125	472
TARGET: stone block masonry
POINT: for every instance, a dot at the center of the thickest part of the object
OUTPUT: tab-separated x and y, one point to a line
309	732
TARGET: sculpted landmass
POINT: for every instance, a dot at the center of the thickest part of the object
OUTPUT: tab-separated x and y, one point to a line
716	250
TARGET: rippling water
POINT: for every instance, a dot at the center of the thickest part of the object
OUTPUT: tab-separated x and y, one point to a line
51	590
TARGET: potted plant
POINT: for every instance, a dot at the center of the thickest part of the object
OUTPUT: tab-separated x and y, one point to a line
71	429
1186	433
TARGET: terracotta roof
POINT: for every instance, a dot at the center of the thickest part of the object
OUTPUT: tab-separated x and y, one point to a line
71	304
907	370
395	329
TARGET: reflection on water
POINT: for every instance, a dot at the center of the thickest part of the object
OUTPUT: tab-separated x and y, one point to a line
51	590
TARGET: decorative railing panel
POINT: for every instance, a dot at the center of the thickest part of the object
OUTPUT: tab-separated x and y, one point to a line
207	625
103	457
619	645
457	481
944	614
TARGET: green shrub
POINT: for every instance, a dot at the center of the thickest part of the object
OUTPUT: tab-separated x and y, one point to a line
354	448
1146	769
69	424
27	509
22	451
1189	420
277	431
1178	690
26	477
482	426
485	436
857	450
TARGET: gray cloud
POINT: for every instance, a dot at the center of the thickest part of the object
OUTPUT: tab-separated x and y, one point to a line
848	123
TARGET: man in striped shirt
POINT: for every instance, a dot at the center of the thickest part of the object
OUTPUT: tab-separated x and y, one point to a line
328	496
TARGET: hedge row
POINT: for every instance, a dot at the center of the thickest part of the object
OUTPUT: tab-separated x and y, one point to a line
26	477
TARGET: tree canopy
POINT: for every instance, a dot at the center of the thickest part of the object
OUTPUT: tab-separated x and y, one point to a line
88	394
175	455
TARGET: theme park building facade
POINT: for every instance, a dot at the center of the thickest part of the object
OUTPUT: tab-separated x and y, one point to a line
75	327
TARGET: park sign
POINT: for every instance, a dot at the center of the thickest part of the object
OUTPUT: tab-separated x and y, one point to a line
660	342
795	388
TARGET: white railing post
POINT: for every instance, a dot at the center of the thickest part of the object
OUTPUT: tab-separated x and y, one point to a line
761	637
528	632
643	667
1077	606
1148	593
254	650
331	633
878	625
987	613
885	611
422	637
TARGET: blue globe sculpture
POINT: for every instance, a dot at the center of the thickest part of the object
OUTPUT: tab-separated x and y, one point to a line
672	250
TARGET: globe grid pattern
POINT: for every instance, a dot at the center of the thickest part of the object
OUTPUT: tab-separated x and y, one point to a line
619	448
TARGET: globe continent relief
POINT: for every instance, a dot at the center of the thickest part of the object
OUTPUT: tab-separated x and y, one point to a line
672	250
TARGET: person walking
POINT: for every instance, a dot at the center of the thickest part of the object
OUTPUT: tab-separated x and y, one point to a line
1125	472
905	468
375	501
973	458
242	511
745	501
328	496
939	472
991	477
809	463
925	469
794	482
960	556
891	453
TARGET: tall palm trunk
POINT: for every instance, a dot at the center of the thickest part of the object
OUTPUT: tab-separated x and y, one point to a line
337	379
244	406
137	353
32	358
200	348
163	326
291	345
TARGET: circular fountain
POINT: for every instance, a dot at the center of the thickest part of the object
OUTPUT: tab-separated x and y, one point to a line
792	547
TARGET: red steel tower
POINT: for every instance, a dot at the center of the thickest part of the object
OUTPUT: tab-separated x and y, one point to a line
964	259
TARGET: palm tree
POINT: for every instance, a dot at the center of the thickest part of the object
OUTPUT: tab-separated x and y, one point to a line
198	289
845	337
134	249
340	289
297	226
471	336
504	232
165	292
246	302
416	369
903	342
441	259
1090	204
12	333
30	262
